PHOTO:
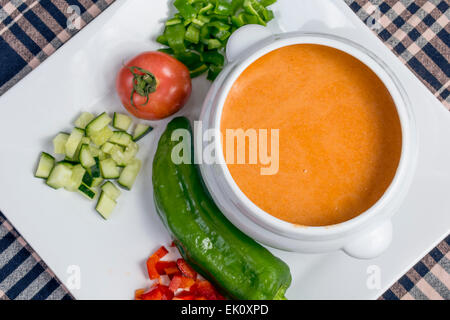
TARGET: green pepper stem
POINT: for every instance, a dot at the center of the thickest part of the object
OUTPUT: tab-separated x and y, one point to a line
144	83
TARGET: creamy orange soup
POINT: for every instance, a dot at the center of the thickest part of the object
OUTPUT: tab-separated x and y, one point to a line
339	134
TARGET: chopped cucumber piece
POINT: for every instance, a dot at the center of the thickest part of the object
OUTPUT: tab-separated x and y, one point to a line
131	150
121	121
111	190
59	143
124	157
87	179
84	119
140	131
95	152
95	169
87	192
108	147
121	138
67	163
96	182
102	155
77	176
76	158
60	176
73	142
86	158
129	174
45	166
100	137
119	157
98	124
109	169
105	205
86	140
133	145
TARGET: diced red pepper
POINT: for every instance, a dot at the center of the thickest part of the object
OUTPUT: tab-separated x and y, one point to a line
180	282
154	294
162	265
159	292
161	252
175	283
204	288
185	295
151	262
189	297
167	294
171	272
151	269
182	276
138	294
186	269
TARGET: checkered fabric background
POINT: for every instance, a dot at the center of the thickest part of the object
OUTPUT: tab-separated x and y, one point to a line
417	31
428	279
31	30
23	275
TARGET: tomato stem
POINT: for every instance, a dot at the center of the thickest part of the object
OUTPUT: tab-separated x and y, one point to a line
144	83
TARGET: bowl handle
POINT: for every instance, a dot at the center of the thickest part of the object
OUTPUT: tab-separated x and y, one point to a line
371	243
245	37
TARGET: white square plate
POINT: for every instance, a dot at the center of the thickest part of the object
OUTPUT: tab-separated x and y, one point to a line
65	230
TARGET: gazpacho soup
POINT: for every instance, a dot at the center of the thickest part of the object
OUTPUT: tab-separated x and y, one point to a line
340	136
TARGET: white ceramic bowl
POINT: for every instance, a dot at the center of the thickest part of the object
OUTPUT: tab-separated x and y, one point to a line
364	236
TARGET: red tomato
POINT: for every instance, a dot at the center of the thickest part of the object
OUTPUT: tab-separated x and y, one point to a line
153	85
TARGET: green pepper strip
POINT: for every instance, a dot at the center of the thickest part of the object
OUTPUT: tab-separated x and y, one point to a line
214	44
201	20
219	25
198	71
213	57
175	37
204	34
235	5
206	8
186	10
162	39
223	7
238	20
192	34
269	14
255	8
173	21
222	35
266	3
166	50
213	72
250	19
190	58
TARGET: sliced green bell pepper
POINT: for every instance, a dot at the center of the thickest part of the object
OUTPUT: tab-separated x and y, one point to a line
205	25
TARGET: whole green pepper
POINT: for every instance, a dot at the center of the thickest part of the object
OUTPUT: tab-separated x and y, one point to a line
234	262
